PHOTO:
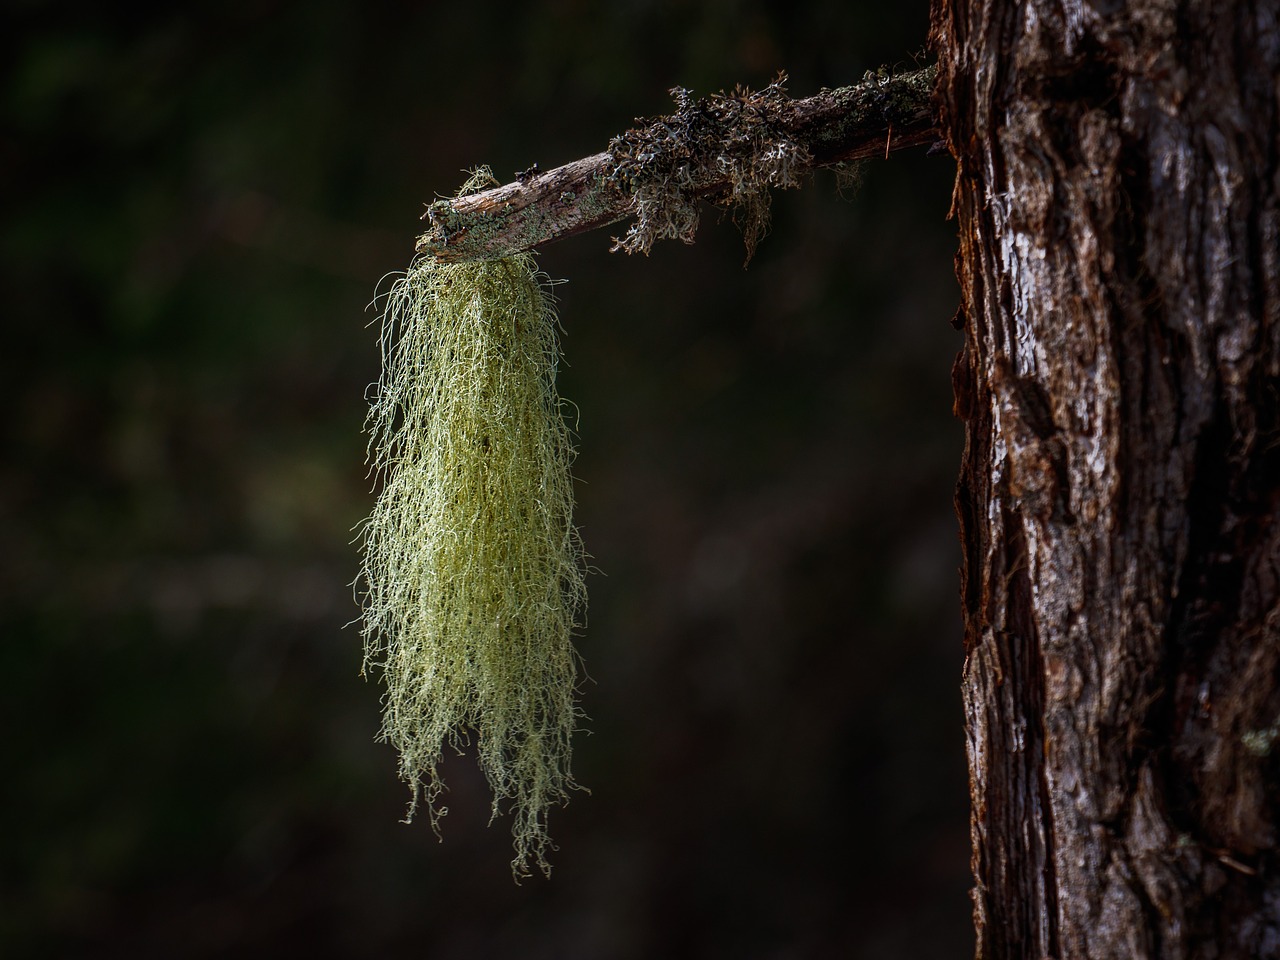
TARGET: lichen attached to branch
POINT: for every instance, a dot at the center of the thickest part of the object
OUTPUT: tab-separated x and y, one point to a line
729	148
726	148
473	571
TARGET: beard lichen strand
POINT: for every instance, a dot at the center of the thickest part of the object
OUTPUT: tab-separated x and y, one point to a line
473	571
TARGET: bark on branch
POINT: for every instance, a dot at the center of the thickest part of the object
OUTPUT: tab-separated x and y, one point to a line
728	148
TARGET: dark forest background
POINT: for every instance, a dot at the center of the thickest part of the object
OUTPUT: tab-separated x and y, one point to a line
198	204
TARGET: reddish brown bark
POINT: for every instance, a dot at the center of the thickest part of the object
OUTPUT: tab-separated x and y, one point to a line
1119	221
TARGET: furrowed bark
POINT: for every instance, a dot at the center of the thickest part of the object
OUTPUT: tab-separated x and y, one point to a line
880	115
1118	204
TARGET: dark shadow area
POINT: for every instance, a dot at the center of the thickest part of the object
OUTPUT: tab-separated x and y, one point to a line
199	206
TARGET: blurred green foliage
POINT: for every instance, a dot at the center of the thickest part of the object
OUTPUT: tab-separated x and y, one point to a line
200	202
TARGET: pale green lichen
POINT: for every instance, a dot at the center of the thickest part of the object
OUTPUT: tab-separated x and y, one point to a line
1260	742
473	571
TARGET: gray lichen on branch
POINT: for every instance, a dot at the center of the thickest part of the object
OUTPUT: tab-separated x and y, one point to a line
729	149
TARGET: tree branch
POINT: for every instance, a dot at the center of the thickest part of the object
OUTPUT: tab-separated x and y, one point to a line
728	148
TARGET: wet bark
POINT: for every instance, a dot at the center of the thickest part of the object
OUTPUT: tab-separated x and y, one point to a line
1117	205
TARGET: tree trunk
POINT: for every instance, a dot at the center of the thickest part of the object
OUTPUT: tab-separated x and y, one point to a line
1117	202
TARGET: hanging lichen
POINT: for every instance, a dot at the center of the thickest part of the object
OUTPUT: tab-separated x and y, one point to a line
473	571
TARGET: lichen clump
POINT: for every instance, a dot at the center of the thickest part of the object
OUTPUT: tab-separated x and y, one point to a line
473	571
668	164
